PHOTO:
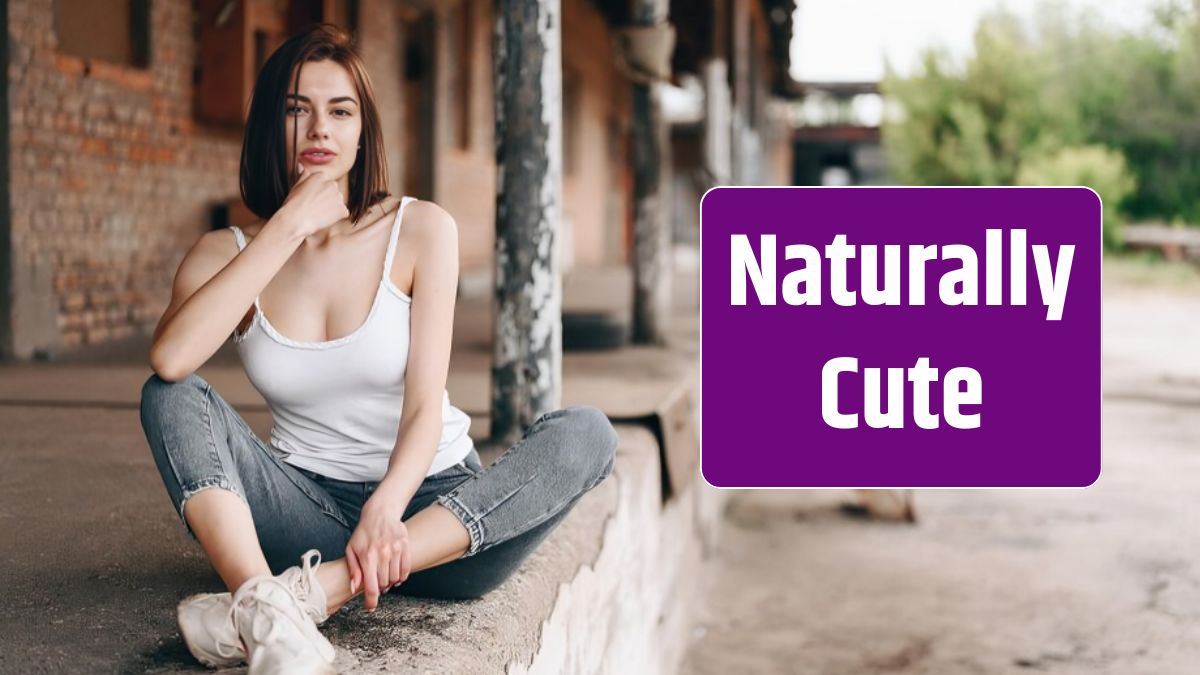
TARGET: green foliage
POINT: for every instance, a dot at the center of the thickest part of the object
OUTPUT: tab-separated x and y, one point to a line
1034	92
1100	168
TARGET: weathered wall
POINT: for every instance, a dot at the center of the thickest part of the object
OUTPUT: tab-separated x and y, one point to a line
632	609
595	199
111	179
380	41
596	196
465	184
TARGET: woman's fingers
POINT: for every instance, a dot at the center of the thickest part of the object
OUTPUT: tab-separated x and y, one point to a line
384	571
405	565
394	567
301	175
352	566
371	579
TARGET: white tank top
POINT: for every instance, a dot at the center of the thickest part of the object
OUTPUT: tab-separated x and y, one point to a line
336	404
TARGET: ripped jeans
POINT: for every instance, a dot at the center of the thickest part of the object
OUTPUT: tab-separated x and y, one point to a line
200	442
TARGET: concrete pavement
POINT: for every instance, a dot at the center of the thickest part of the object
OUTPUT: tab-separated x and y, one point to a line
1102	581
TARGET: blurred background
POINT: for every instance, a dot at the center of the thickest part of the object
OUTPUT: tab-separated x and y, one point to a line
123	123
1103	580
1028	92
121	130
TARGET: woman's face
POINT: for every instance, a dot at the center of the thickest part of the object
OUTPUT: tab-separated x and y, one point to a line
325	119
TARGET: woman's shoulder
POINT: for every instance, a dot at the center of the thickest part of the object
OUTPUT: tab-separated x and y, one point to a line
427	222
211	252
216	244
249	230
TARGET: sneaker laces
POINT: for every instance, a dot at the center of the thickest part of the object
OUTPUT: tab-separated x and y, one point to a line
303	582
264	625
230	650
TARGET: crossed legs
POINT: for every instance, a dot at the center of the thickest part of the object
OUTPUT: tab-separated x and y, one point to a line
224	527
254	514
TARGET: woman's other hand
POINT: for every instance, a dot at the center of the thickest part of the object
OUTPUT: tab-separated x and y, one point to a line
314	202
378	553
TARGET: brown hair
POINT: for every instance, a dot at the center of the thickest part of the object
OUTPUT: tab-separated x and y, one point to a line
266	173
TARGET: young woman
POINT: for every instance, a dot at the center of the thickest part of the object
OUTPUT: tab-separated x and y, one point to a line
341	303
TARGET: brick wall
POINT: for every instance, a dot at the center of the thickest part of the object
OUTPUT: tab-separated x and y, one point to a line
111	179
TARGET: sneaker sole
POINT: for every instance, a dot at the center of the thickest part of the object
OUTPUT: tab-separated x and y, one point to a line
323	669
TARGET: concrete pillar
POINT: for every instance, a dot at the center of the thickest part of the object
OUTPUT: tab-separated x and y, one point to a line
717	124
740	123
651	231
527	337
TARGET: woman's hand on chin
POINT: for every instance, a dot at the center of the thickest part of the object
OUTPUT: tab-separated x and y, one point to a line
378	552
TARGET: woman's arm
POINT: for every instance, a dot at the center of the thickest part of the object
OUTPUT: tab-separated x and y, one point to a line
377	555
435	285
215	286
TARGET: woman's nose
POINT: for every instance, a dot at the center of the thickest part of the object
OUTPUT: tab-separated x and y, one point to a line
319	127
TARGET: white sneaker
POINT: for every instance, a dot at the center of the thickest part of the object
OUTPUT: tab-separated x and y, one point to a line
206	624
279	636
206	620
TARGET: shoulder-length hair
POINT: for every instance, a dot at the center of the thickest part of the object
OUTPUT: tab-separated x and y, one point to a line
266	171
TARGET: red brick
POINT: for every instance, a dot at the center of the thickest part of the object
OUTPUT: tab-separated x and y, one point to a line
71	65
134	79
93	146
147	153
75	183
74	301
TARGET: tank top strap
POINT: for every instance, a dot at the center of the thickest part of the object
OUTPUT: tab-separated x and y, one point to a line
241	244
391	250
237	234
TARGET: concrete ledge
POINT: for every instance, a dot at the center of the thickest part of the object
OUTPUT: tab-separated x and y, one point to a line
601	594
630	610
1175	243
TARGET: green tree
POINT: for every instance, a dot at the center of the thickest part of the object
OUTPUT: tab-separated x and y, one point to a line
1100	168
972	125
1032	90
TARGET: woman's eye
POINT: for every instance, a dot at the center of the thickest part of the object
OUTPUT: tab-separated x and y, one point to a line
341	110
295	110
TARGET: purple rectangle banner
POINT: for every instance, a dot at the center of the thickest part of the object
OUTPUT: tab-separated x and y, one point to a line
900	337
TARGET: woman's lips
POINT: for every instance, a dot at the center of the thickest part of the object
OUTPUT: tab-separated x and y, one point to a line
314	158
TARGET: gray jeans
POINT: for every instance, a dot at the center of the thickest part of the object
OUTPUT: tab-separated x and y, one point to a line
199	441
